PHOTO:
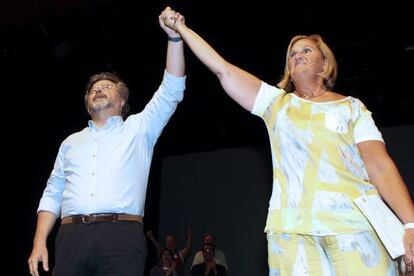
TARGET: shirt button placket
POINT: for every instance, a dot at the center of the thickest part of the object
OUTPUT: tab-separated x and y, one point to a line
94	166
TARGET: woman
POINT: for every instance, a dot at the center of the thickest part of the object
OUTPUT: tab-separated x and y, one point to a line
326	151
166	264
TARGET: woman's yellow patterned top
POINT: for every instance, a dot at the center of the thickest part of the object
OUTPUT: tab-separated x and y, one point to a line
317	168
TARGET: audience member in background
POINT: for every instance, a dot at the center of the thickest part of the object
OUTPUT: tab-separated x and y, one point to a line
209	267
219	256
166	265
179	256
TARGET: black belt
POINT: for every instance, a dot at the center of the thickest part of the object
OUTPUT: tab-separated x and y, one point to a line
87	219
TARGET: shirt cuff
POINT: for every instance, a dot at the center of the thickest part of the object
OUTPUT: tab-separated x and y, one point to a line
172	82
49	206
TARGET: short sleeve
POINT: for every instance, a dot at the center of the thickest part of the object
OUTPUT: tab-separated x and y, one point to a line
364	125
265	95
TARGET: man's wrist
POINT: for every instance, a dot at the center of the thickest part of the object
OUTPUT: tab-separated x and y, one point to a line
175	39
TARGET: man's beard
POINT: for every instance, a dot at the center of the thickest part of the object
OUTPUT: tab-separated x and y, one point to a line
100	104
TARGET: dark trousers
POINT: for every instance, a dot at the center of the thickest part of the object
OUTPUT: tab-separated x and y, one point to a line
101	248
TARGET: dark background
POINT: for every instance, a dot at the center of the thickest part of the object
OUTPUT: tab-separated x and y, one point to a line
50	48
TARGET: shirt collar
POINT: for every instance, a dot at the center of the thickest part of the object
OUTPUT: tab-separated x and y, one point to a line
110	123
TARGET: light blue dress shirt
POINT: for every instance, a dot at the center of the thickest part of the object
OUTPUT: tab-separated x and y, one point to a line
105	170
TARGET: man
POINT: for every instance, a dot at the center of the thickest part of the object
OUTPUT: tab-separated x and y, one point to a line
100	175
209	267
219	256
